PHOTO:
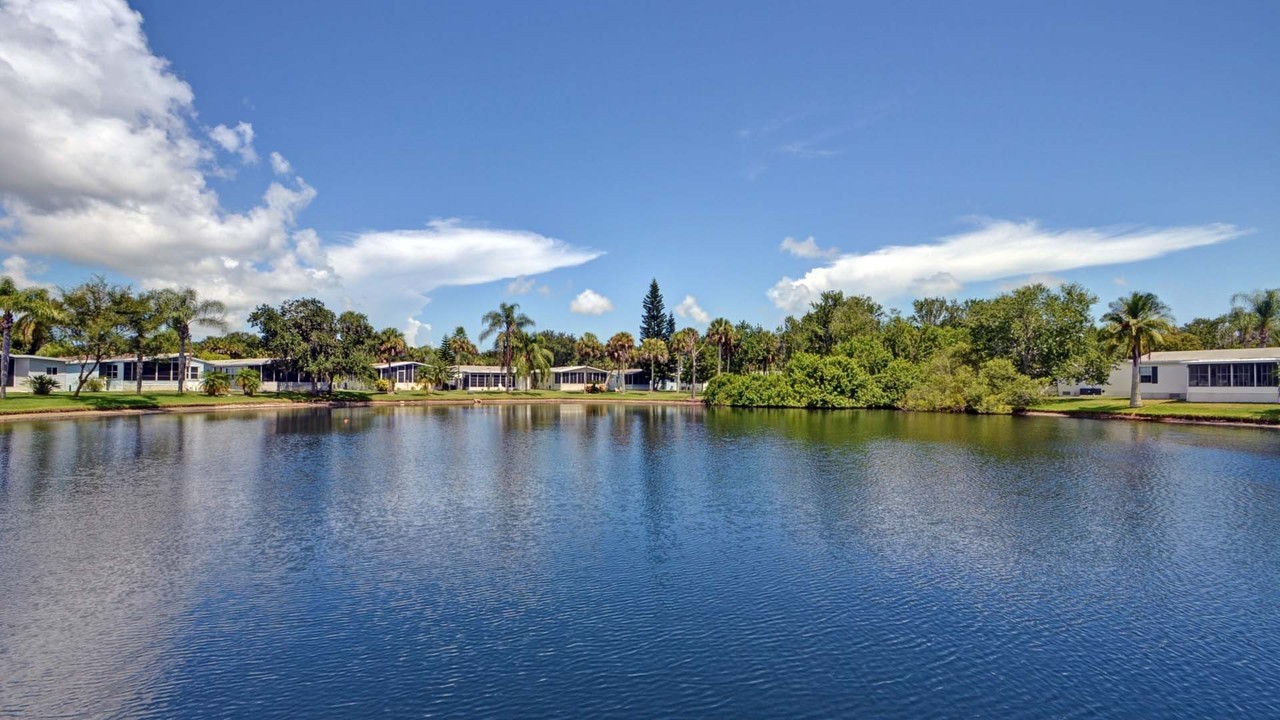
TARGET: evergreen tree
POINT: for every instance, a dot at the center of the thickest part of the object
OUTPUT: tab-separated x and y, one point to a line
653	323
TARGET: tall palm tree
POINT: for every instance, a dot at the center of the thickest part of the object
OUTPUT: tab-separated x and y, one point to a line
502	325
655	351
1264	308
18	304
462	348
533	359
390	345
723	335
620	349
184	310
588	349
1137	325
683	343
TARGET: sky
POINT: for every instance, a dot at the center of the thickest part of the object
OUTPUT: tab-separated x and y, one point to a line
423	162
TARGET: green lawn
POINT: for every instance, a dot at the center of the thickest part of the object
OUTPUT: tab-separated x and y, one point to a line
64	402
1246	412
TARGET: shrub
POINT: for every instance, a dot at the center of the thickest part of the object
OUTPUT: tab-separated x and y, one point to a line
1000	388
216	382
95	384
750	391
382	385
593	388
951	385
249	381
834	381
42	384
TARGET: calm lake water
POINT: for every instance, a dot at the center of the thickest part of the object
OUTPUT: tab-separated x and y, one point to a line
592	560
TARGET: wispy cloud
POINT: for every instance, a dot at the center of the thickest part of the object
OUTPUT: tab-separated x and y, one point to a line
807	248
996	249
809	149
590	302
1046	279
689	308
279	165
520	286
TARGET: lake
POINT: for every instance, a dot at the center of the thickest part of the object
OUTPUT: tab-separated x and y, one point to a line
606	560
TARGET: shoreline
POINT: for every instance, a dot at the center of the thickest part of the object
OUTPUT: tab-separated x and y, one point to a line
64	414
1168	419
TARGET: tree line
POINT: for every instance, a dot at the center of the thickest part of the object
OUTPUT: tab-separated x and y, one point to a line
983	355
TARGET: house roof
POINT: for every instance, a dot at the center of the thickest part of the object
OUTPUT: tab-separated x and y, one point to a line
577	368
399	363
478	369
1189	356
36	357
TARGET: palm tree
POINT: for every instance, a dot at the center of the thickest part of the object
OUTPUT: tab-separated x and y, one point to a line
249	381
620	349
183	309
533	359
655	351
723	335
588	349
436	374
1263	307
142	317
502	325
18	304
390	345
461	347
1137	325
683	343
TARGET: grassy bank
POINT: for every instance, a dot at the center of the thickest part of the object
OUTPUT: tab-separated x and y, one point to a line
1164	409
23	403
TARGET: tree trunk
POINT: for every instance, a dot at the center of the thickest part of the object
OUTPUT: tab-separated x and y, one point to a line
679	371
137	371
7	323
1135	391
693	375
182	362
652	369
719	359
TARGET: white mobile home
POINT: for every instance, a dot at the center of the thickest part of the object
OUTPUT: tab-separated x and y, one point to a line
24	367
1238	375
576	378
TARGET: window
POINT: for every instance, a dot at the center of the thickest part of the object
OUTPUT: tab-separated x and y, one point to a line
111	371
193	372
1266	373
1220	375
1242	375
1148	374
50	370
1198	375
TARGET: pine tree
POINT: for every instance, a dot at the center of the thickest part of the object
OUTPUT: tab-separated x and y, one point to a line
653	323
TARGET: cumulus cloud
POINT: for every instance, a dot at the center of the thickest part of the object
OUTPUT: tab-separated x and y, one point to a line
520	286
413	327
279	165
590	302
20	269
994	250
102	167
688	308
237	140
807	248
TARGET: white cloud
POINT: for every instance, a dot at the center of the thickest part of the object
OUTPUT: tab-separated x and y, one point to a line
590	302
1119	280
520	286
411	330
20	269
807	248
101	167
1045	279
544	291
279	165
238	140
993	251
688	308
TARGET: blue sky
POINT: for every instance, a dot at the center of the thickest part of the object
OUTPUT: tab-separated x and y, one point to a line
437	152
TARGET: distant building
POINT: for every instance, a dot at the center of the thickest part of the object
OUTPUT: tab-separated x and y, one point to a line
1247	375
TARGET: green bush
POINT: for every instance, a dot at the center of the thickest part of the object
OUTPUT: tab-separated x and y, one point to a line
750	391
833	381
951	385
1001	389
216	382
382	385
593	388
95	384
249	381
42	384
